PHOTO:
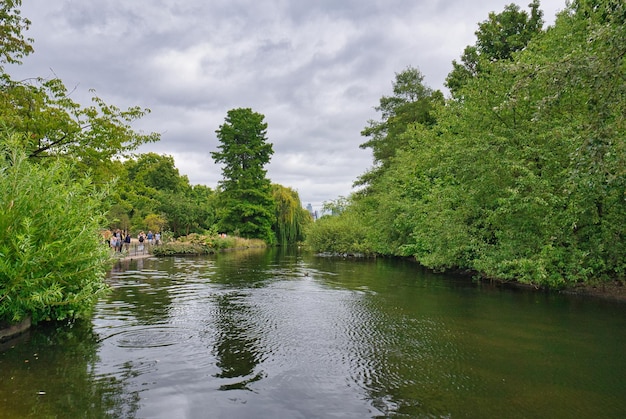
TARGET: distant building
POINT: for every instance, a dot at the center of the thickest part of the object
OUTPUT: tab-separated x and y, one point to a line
309	208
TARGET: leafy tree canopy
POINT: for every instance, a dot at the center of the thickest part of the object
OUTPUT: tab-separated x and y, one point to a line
244	150
498	38
156	171
51	123
150	191
412	102
55	125
13	45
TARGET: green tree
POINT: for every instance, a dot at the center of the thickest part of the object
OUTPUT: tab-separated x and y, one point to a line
291	219
157	172
204	200
523	179
181	211
155	222
412	102
53	124
246	200
118	216
342	232
582	97
52	258
498	38
13	45
151	184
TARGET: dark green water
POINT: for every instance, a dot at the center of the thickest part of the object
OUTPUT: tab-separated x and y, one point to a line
261	334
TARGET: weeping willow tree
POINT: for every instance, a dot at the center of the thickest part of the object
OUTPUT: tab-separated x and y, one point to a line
291	218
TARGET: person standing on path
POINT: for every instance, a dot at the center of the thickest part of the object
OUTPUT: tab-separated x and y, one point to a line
120	243
127	242
141	238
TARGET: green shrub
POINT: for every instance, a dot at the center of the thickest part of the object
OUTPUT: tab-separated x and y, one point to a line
52	259
198	244
342	233
180	248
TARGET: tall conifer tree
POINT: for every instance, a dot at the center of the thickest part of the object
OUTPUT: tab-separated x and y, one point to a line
246	200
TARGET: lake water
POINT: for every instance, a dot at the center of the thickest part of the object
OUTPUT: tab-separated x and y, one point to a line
275	334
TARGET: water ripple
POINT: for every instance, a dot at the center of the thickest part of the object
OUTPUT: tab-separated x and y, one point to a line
150	337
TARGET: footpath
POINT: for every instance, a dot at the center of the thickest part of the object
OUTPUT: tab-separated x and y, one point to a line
134	251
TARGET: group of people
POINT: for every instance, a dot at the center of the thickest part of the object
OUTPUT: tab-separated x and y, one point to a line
150	238
120	240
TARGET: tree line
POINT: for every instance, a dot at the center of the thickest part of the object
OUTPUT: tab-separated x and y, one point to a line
69	171
520	174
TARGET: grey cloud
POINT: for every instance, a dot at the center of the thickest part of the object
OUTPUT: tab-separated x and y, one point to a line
314	69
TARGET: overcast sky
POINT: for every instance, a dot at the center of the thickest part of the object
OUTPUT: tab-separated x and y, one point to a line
315	69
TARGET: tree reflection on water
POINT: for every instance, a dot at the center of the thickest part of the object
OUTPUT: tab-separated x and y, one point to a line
55	364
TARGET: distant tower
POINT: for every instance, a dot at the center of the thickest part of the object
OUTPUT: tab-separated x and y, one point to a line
309	208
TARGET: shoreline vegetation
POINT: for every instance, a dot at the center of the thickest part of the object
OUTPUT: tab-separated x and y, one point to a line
191	245
198	245
204	245
614	290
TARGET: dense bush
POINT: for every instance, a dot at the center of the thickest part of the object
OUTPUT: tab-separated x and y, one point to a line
52	259
180	248
337	234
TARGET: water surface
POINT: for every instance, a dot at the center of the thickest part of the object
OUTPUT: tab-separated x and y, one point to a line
271	334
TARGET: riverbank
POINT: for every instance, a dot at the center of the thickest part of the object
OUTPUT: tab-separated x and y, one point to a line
135	250
613	290
8	332
610	290
197	245
125	256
